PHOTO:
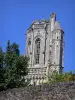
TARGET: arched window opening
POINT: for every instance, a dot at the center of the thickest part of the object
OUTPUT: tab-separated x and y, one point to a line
37	55
57	37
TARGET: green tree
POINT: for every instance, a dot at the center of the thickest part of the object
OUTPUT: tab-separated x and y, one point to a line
2	70
1	57
2	78
16	74
15	67
15	49
12	51
7	58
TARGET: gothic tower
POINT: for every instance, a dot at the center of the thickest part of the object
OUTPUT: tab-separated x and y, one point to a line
44	48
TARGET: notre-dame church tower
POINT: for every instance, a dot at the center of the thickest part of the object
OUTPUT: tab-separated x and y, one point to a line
45	48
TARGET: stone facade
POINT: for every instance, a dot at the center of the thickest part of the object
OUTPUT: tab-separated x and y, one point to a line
45	44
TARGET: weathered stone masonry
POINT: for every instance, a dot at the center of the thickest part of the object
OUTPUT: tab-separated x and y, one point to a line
45	48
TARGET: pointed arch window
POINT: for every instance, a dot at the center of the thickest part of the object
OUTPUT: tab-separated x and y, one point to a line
37	54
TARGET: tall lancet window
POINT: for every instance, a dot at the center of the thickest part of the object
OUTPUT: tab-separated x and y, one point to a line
37	50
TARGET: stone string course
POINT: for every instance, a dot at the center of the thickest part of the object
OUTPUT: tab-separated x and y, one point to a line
60	91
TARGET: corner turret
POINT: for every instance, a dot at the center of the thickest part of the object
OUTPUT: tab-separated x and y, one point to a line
52	20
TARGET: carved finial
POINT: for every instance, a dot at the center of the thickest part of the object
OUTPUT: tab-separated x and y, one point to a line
44	20
53	15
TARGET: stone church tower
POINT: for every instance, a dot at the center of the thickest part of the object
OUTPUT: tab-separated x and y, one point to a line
44	42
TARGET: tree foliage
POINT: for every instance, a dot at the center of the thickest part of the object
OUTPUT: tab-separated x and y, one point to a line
13	67
1	57
55	77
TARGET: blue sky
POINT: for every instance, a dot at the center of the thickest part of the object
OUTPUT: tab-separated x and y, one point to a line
17	15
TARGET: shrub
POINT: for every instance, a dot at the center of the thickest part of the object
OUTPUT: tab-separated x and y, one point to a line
55	77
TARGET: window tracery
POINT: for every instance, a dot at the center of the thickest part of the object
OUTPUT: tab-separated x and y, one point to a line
37	55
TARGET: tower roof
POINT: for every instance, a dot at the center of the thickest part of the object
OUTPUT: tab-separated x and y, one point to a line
57	26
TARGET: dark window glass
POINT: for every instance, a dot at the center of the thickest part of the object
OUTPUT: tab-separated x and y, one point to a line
37	44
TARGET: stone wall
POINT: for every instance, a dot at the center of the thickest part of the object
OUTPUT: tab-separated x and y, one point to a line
60	91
